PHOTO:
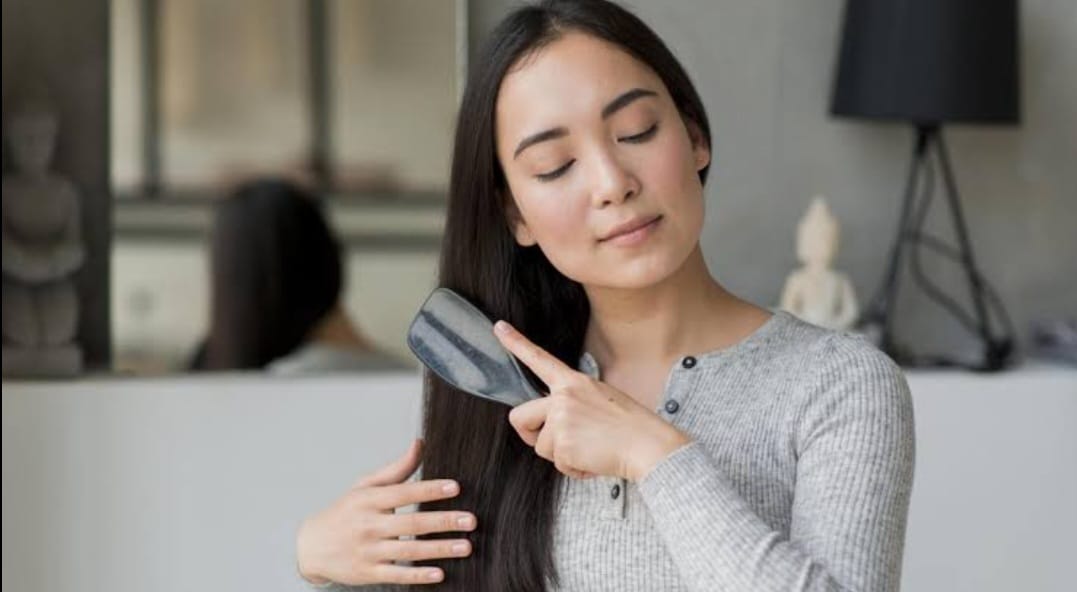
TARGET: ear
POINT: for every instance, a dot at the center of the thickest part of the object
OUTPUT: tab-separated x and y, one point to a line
517	225
700	151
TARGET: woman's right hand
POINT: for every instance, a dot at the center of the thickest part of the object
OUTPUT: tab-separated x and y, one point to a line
356	540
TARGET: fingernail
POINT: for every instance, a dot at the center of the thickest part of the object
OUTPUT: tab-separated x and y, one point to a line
459	548
433	575
450	487
502	327
465	521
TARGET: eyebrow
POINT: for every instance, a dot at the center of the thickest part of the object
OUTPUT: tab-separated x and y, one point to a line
614	106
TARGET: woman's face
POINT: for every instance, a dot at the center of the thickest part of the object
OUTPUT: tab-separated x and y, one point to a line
591	145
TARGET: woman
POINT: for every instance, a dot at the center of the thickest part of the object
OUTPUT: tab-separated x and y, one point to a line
690	440
276	281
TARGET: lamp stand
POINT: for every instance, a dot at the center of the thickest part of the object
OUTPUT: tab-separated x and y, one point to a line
878	316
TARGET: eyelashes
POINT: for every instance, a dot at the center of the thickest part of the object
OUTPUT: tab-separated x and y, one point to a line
639	138
642	136
550	176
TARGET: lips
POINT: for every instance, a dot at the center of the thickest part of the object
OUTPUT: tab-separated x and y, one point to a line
628	227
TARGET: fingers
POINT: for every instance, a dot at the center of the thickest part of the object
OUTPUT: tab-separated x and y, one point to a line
566	470
528	418
544	445
544	364
398	574
420	523
391	497
421	550
397	471
530	423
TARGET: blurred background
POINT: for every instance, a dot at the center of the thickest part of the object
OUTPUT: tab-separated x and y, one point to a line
165	105
354	98
119	466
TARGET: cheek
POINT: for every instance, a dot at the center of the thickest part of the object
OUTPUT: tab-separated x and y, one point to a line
670	179
671	172
557	219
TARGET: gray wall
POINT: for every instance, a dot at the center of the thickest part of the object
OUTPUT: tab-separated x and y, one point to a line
63	45
764	70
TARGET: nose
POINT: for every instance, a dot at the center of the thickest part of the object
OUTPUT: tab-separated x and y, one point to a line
614	183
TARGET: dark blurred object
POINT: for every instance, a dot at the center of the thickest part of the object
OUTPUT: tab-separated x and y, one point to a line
275	273
276	278
1056	340
930	62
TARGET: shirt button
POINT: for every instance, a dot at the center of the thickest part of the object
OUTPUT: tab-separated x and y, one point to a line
672	406
688	362
615	491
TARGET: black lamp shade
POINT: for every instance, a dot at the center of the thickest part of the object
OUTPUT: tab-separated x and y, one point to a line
929	61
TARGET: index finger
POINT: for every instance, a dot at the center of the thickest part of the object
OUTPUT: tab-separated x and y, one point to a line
544	364
391	497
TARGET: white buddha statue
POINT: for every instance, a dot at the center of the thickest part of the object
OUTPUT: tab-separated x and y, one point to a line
42	250
815	292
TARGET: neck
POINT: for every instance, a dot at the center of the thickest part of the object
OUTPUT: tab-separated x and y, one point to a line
687	313
336	329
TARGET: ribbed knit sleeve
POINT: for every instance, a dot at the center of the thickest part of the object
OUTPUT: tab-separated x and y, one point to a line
854	446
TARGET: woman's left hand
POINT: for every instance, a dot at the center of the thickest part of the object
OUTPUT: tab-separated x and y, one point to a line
585	426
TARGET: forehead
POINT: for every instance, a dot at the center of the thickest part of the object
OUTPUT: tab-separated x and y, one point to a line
573	76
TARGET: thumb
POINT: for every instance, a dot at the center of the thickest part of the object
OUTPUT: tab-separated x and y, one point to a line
397	471
528	418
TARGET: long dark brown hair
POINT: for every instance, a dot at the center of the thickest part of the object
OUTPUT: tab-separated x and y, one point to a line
511	490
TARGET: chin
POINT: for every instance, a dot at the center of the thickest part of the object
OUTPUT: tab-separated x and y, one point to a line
635	273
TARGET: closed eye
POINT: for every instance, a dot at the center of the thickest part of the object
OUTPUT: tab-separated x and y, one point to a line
642	136
550	176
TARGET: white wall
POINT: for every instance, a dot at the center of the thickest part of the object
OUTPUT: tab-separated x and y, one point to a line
198	483
994	504
192	484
